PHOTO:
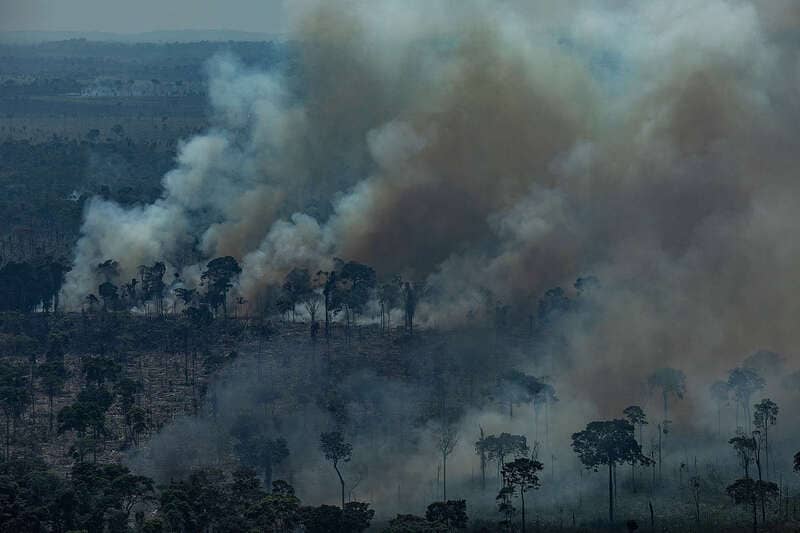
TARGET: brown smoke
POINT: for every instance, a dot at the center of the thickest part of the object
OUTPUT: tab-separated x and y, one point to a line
508	149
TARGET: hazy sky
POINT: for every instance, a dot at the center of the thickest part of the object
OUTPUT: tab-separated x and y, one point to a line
142	15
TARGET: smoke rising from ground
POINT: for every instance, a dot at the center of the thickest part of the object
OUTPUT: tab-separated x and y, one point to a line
503	148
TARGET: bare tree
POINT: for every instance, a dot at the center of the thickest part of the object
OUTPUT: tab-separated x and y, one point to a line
446	441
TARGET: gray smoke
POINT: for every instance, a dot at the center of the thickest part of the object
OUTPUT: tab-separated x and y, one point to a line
504	148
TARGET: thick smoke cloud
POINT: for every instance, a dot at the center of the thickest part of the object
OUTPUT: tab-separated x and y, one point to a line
504	148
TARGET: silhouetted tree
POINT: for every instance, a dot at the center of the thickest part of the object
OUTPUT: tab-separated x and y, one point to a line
153	285
636	416
356	282
127	390
481	449
389	297
498	448
446	441
744	382
186	296
745	450
218	278
505	506
108	292
87	412
452	514
337	451
766	415
520	476
108	270
278	511
14	396
672	382
53	375
748	491
695	484
257	450
609	443
297	288
720	392
410	298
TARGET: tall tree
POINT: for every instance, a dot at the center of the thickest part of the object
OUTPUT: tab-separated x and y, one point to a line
410	300
672	382
748	491
744	382
766	415
336	451
53	375
608	442
745	451
636	416
388	298
153	285
520	476
446	441
14	396
297	288
499	447
218	277
356	285
720	392
481	449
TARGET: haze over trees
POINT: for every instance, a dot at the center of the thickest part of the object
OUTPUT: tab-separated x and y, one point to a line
526	268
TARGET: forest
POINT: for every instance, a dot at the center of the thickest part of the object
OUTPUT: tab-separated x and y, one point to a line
405	270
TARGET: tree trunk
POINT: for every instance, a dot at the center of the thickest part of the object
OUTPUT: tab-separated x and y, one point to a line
444	477
615	483
522	498
327	316
766	444
610	492
341	480
268	476
483	470
697	509
660	431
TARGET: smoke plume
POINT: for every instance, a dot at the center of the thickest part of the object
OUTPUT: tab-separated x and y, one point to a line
505	148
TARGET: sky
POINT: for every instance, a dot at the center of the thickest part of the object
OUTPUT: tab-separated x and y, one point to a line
125	16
